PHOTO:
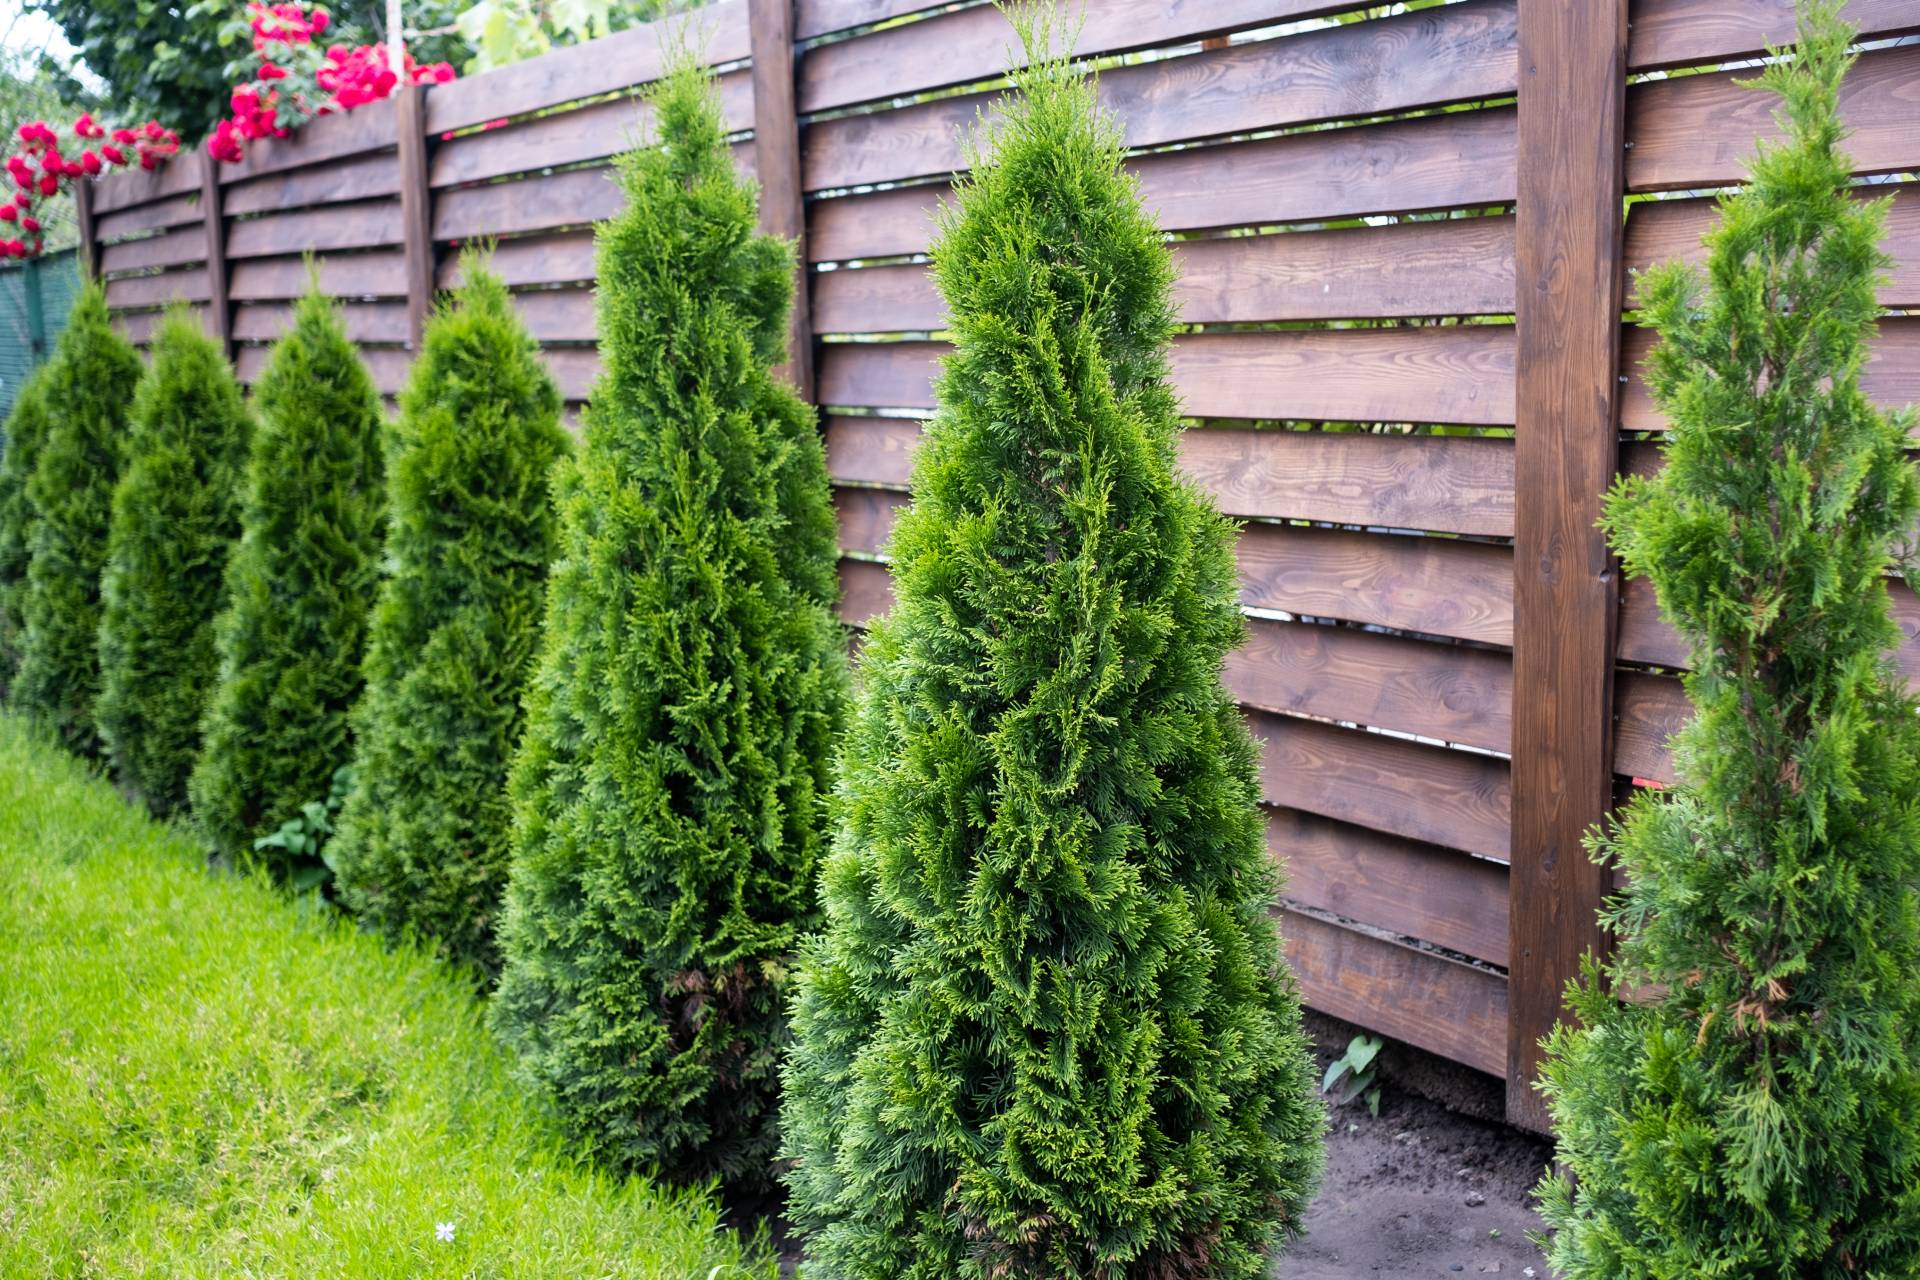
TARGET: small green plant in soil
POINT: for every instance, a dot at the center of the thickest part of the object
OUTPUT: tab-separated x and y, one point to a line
1355	1066
302	841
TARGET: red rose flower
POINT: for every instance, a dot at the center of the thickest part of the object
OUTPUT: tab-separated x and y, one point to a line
49	185
8	213
113	154
30	224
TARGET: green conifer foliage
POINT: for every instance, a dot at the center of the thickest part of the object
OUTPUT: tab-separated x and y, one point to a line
26	432
88	385
300	584
1047	1031
176	516
689	691
423	841
1755	1112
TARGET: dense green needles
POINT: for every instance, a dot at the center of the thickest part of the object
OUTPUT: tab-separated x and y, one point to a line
26	433
1047	1031
1754	1112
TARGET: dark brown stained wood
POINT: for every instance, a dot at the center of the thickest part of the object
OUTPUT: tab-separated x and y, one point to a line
87	230
1437	162
894	375
364	321
1402	886
139	326
359	178
1449	54
324	138
174	211
818	17
157	290
1891	378
558	315
346	226
168	249
1675	33
1450	692
1457	799
607	65
1568	230
416	211
1441	1005
1699	131
866	517
387	366
381	273
776	132
134	185
564	258
592	132
969	45
1436	586
213	247
866	591
1663	230
573	369
871	450
1650	709
573	198
897	298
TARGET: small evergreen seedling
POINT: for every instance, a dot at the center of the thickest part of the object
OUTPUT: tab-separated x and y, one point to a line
423	841
89	385
300	584
1753	1109
689	692
176	516
1047	1031
26	432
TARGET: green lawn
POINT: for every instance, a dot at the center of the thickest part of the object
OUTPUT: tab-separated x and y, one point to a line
199	1079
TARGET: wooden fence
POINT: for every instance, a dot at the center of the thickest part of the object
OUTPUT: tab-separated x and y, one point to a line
1402	256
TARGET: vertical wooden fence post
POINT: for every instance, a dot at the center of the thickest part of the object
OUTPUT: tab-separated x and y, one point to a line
213	217
416	209
776	151
1572	105
89	237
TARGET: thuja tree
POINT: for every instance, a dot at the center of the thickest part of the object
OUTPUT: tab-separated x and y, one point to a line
1047	1031
88	385
26	432
300	584
176	516
1752	1108
422	843
688	694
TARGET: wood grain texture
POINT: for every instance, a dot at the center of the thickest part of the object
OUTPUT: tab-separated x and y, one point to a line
174	211
168	249
818	17
372	224
1405	887
373	127
575	198
380	273
1568	250
1449	54
866	591
1674	33
387	366
356	178
866	516
574	370
158	290
558	315
383	322
140	326
1649	710
563	258
871	450
776	132
213	247
1699	131
86	227
416	212
134	185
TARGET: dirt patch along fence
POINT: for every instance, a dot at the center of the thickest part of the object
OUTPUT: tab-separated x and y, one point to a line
1403	265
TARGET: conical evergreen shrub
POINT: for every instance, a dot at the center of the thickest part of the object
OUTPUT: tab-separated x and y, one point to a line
88	385
1753	1108
176	516
423	841
300	584
690	688
26	433
1047	1031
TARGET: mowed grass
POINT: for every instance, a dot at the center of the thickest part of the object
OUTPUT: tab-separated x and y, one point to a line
198	1078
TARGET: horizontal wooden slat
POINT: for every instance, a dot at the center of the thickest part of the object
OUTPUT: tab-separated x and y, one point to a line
157	290
555	259
1441	1005
174	211
364	321
1674	33
372	224
1648	711
1456	799
573	369
570	137
607	65
558	315
388	366
871	450
358	178
324	138
818	17
139	326
1699	131
866	517
381	273
134	185
168	249
1405	887
866	591
543	203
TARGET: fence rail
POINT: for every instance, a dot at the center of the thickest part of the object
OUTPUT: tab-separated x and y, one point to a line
1402	259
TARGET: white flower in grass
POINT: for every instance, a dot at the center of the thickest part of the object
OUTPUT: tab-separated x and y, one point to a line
443	1232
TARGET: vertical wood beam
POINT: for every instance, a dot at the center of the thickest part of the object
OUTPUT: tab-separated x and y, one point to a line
89	237
416	209
1569	219
776	152
213	217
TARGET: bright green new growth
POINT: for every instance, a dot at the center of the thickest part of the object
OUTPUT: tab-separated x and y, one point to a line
691	685
26	433
88	386
1048	1031
176	516
423	841
299	587
1758	1113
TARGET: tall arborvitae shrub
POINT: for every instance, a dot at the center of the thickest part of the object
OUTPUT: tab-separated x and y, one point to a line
300	584
26	432
176	515
1047	1031
1753	1108
89	385
689	691
423	841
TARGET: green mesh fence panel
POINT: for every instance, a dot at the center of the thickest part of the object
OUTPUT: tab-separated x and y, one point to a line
34	299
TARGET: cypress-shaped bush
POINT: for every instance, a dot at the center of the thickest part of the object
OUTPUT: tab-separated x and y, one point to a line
89	386
176	516
691	684
423	840
26	432
300	584
1752	1108
1047	1030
